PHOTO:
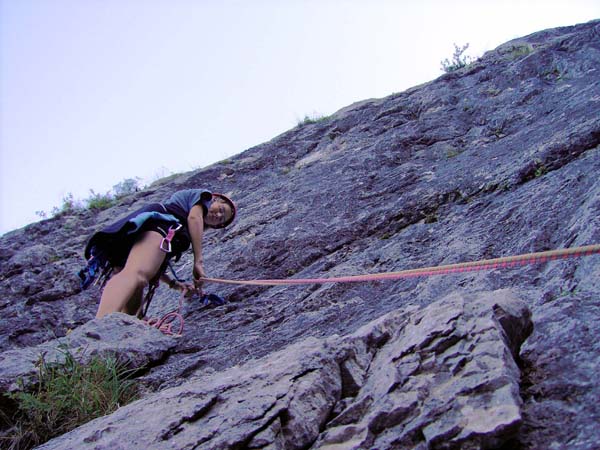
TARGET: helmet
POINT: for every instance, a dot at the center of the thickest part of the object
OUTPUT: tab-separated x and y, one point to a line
231	205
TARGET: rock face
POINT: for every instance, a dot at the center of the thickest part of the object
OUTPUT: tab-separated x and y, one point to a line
131	341
496	159
441	377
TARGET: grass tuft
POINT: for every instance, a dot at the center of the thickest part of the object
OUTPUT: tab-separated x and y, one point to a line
309	120
68	395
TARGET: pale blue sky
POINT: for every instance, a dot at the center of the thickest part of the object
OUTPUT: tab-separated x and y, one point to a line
93	92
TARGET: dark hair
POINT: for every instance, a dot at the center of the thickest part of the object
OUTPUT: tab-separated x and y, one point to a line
231	204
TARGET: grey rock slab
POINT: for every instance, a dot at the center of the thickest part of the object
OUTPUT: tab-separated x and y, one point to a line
296	387
441	375
125	337
448	377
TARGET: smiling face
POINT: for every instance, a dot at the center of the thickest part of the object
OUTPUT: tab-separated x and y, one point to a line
219	213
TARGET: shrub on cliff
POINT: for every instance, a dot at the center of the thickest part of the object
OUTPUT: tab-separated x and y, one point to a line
67	396
96	201
458	61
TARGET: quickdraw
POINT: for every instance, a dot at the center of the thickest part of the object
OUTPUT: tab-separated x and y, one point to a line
165	244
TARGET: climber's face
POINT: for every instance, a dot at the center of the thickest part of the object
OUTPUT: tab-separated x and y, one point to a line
218	213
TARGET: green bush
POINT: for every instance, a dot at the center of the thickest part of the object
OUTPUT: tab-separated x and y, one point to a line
67	396
98	202
95	202
69	206
458	61
312	119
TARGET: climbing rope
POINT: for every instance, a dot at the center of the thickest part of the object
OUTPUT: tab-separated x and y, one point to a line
473	266
166	323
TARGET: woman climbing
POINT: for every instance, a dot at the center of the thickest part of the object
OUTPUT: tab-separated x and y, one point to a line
138	247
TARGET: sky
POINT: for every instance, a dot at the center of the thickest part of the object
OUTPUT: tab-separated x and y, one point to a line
95	92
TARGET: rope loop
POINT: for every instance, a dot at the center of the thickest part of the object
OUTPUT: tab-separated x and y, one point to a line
167	323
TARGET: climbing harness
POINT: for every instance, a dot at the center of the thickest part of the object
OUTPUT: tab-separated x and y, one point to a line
149	295
473	266
170	264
